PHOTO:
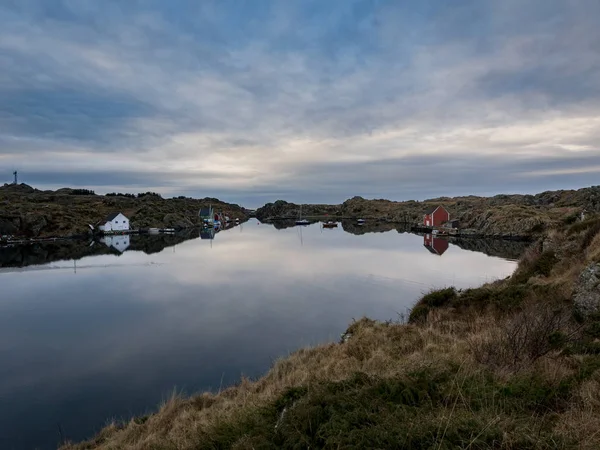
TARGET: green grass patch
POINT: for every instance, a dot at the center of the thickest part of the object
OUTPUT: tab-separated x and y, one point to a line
426	409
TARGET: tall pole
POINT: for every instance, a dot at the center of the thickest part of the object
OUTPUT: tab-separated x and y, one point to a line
15	174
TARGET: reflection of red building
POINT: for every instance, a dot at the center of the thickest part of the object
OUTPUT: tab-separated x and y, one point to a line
437	246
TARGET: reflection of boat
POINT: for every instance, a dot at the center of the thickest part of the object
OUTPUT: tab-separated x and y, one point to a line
207	233
300	220
330	224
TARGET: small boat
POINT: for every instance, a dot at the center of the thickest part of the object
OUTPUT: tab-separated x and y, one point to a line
300	220
330	224
361	221
153	230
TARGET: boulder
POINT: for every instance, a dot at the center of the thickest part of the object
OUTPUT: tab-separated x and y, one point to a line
587	290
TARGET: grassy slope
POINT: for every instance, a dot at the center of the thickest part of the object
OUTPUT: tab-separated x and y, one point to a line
509	365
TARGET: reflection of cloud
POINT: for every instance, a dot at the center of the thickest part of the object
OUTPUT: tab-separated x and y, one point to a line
254	109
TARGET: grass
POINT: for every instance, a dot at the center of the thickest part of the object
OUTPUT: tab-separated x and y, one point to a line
509	365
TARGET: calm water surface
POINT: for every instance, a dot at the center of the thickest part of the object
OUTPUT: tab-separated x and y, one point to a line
112	334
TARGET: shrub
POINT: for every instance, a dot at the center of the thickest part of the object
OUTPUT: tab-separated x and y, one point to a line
440	297
579	227
542	264
433	299
82	192
524	337
149	194
590	234
114	194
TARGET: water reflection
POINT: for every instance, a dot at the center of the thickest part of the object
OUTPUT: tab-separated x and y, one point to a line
437	246
119	242
173	311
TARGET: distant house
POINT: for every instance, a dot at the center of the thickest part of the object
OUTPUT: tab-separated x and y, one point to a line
435	217
437	246
206	214
115	222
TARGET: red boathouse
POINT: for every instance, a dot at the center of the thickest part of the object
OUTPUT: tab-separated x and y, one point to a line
436	217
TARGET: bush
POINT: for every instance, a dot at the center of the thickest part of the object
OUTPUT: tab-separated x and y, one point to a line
149	194
504	298
590	234
433	299
524	337
540	265
82	192
579	227
114	194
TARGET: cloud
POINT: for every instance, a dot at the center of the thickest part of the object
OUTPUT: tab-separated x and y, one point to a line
311	100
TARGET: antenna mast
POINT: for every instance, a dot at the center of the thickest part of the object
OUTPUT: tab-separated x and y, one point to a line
15	174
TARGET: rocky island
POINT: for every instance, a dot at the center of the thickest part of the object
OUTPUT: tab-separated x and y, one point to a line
29	212
499	216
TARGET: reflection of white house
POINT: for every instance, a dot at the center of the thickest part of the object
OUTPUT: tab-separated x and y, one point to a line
118	242
115	222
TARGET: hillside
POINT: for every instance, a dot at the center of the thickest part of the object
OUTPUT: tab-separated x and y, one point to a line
25	211
514	364
502	215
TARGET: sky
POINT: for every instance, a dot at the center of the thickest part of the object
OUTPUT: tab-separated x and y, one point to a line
311	101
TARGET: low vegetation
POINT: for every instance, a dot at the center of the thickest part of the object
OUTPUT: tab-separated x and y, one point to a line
510	365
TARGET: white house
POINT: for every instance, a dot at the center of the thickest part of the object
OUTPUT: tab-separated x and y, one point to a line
115	222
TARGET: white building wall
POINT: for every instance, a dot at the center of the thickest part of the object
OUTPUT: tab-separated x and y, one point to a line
119	223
